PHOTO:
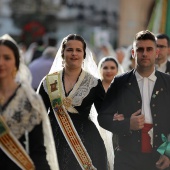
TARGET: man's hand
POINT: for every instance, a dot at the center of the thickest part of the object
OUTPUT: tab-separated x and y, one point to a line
137	120
118	117
163	162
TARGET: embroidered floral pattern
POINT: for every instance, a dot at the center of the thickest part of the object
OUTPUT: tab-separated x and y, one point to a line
17	116
27	105
20	114
81	89
87	84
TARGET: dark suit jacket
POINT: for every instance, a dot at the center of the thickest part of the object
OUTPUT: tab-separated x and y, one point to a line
124	97
167	67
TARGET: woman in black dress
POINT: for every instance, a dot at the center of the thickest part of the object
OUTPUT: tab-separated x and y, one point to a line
24	123
70	92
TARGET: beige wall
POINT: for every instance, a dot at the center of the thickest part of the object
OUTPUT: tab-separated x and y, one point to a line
134	16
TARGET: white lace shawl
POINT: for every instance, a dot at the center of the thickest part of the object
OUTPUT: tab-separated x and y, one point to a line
80	90
24	112
19	115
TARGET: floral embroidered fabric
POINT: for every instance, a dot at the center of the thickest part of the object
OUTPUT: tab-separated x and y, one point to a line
19	114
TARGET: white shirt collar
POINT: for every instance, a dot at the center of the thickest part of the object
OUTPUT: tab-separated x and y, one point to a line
151	77
162	66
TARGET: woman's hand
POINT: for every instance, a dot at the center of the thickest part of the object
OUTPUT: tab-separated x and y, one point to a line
118	117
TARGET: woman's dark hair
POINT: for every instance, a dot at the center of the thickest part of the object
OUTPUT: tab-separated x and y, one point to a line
108	59
73	37
14	48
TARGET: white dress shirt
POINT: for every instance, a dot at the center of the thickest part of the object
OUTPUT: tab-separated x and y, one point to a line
162	67
146	93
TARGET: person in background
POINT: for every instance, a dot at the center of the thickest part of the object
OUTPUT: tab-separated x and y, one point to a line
41	66
143	97
26	74
120	54
52	42
130	59
123	57
27	55
108	68
163	44
68	92
38	50
26	140
102	50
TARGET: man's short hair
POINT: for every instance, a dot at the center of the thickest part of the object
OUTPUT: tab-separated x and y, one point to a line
144	35
164	36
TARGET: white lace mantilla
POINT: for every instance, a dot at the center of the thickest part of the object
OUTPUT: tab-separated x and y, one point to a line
80	90
19	114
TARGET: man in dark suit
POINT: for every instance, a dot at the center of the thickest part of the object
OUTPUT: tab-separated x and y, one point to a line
137	109
163	44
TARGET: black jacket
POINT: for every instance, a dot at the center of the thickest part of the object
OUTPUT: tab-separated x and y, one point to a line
167	67
124	97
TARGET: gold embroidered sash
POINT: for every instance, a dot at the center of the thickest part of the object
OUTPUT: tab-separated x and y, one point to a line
60	106
13	149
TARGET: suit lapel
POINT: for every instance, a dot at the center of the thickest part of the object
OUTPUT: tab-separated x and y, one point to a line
158	88
132	84
167	67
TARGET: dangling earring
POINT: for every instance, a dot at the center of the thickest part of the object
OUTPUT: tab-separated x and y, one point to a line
63	63
14	72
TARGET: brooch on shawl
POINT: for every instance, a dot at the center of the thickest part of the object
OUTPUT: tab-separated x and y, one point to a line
67	102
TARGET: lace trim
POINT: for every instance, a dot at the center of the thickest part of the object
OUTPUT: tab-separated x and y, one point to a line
19	114
81	89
